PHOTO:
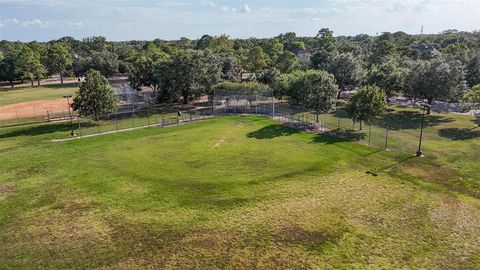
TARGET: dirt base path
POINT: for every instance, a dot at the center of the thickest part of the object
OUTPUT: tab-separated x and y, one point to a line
37	108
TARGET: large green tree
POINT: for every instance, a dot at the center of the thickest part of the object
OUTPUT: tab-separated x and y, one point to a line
325	49
95	96
256	60
389	77
348	71
187	73
58	59
320	91
8	68
383	49
29	64
437	79
473	69
142	69
366	104
472	97
287	62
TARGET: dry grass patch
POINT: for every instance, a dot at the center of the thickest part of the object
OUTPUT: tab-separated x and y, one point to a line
7	188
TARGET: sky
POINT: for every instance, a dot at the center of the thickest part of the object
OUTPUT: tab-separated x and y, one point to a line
117	20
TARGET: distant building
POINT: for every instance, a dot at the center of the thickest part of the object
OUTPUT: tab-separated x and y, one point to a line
247	77
427	49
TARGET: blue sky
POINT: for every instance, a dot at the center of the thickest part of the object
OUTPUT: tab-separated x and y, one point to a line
44	20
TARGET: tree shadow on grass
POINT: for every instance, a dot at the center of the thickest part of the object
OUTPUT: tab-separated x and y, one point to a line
272	131
477	120
38	130
460	134
411	120
375	172
336	136
398	120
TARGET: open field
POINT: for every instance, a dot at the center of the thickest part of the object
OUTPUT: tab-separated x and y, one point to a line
236	193
29	105
45	92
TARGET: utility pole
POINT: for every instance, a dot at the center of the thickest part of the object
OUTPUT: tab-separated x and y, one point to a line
419	151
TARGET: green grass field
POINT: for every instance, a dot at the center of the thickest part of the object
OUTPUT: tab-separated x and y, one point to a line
237	193
44	92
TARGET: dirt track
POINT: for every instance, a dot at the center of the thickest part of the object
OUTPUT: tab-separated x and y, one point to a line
38	108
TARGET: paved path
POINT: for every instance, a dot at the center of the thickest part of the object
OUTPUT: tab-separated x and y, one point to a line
437	105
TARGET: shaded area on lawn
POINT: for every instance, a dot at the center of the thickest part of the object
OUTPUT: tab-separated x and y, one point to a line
42	129
460	134
272	131
412	120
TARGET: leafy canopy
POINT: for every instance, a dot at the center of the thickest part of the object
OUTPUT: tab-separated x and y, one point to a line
367	103
95	96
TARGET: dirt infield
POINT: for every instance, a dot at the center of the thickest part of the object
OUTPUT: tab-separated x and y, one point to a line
33	109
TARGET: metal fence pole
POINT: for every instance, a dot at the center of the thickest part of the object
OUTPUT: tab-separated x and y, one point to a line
370	133
116	124
386	136
325	120
79	126
133	119
98	124
148	117
234	105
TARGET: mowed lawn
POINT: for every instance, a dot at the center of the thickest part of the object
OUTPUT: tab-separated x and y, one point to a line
234	193
24	94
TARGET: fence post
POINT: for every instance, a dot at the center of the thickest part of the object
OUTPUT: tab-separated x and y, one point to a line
133	119
234	105
116	124
370	133
386	137
325	121
148	117
273	106
98	124
79	126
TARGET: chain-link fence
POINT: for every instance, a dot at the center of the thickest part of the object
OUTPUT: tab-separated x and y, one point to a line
394	131
379	133
136	111
136	119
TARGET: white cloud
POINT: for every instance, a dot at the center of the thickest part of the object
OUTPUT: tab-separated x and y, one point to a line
245	9
75	24
9	21
208	3
37	23
228	9
120	9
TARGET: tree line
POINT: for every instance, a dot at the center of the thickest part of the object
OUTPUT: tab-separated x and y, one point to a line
302	70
